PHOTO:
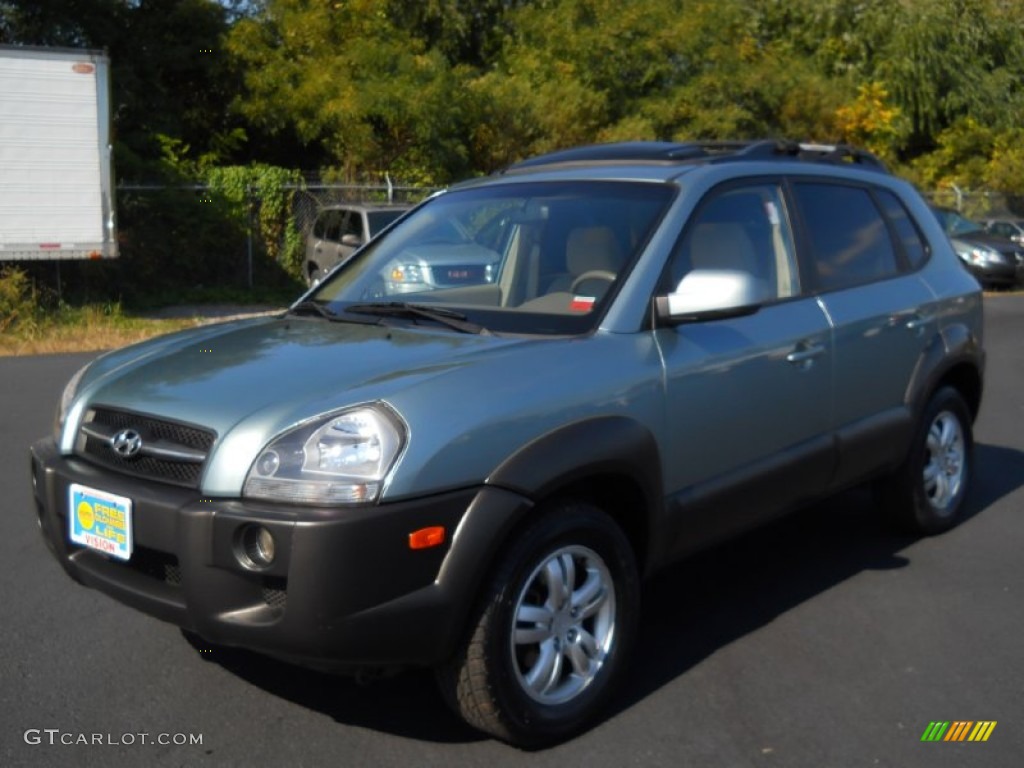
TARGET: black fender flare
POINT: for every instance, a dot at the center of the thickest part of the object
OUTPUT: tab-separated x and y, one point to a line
591	448
596	448
955	345
614	445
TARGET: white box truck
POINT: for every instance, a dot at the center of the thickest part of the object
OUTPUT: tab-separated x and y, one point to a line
56	170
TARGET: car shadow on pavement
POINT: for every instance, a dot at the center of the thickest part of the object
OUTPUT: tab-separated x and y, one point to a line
405	704
769	571
756	577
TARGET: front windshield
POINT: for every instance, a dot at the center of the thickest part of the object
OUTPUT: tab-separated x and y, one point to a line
955	224
520	257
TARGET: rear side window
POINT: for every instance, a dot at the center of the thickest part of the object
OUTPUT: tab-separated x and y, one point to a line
849	240
914	246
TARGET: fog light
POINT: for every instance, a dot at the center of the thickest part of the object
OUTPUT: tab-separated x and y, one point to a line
257	546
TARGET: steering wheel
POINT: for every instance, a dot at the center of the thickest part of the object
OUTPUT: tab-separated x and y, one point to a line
593	274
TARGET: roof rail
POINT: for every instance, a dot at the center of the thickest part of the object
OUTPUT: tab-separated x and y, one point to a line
704	151
821	153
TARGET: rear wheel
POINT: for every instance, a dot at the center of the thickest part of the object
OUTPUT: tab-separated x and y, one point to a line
927	493
552	632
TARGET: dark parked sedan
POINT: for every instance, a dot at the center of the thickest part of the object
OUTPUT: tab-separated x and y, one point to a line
1009	228
996	261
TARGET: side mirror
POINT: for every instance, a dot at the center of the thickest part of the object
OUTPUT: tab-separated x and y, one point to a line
351	240
711	294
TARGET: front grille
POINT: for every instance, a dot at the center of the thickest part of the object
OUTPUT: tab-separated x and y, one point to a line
459	274
169	437
275	592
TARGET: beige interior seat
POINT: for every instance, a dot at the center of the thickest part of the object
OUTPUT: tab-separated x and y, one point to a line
589	249
722	246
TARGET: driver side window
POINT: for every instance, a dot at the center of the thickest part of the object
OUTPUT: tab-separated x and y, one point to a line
744	229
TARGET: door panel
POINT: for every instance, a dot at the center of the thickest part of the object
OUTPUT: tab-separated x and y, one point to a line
881	333
747	407
748	398
883	317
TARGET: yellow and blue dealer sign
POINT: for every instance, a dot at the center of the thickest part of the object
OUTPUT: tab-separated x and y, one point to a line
100	521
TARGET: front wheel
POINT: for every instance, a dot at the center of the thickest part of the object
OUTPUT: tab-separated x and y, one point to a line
552	632
927	493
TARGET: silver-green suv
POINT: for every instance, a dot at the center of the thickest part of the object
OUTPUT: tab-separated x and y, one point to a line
467	447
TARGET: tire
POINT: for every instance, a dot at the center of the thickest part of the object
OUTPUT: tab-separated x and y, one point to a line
926	494
571	579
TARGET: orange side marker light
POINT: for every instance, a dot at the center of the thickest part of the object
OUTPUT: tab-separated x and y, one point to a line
425	538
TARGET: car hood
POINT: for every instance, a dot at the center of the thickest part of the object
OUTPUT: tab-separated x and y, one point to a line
293	366
250	380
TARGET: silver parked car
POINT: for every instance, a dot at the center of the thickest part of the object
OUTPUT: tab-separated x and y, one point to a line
466	448
339	230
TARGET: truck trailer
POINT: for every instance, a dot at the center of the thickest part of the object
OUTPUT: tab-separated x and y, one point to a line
56	168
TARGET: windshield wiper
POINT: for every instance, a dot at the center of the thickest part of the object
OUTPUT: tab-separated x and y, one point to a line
448	317
313	307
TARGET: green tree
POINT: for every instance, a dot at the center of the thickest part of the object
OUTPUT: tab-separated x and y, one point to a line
950	59
349	80
67	23
598	70
170	72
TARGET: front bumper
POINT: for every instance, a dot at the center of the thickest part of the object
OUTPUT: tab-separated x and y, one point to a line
1001	274
344	589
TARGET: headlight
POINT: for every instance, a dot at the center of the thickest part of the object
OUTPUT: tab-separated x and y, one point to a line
981	256
340	459
407	273
404	278
67	397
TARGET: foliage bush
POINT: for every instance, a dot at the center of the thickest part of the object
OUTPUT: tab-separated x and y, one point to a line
18	307
261	196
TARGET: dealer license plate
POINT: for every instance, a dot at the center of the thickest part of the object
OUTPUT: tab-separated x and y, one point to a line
100	521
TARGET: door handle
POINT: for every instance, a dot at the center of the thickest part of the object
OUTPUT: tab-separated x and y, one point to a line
805	353
918	322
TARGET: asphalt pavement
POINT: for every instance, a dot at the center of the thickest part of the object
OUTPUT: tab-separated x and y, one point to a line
823	640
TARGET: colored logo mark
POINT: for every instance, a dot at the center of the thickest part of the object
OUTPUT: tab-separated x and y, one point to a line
959	730
86	517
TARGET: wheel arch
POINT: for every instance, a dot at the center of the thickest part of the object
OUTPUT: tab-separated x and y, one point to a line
956	359
611	462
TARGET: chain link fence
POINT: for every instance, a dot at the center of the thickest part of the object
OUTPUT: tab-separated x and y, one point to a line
171	231
310	198
979	204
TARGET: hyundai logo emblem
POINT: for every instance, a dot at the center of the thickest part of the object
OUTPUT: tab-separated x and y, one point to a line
126	443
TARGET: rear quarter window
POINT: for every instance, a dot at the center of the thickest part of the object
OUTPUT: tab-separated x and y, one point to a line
915	247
